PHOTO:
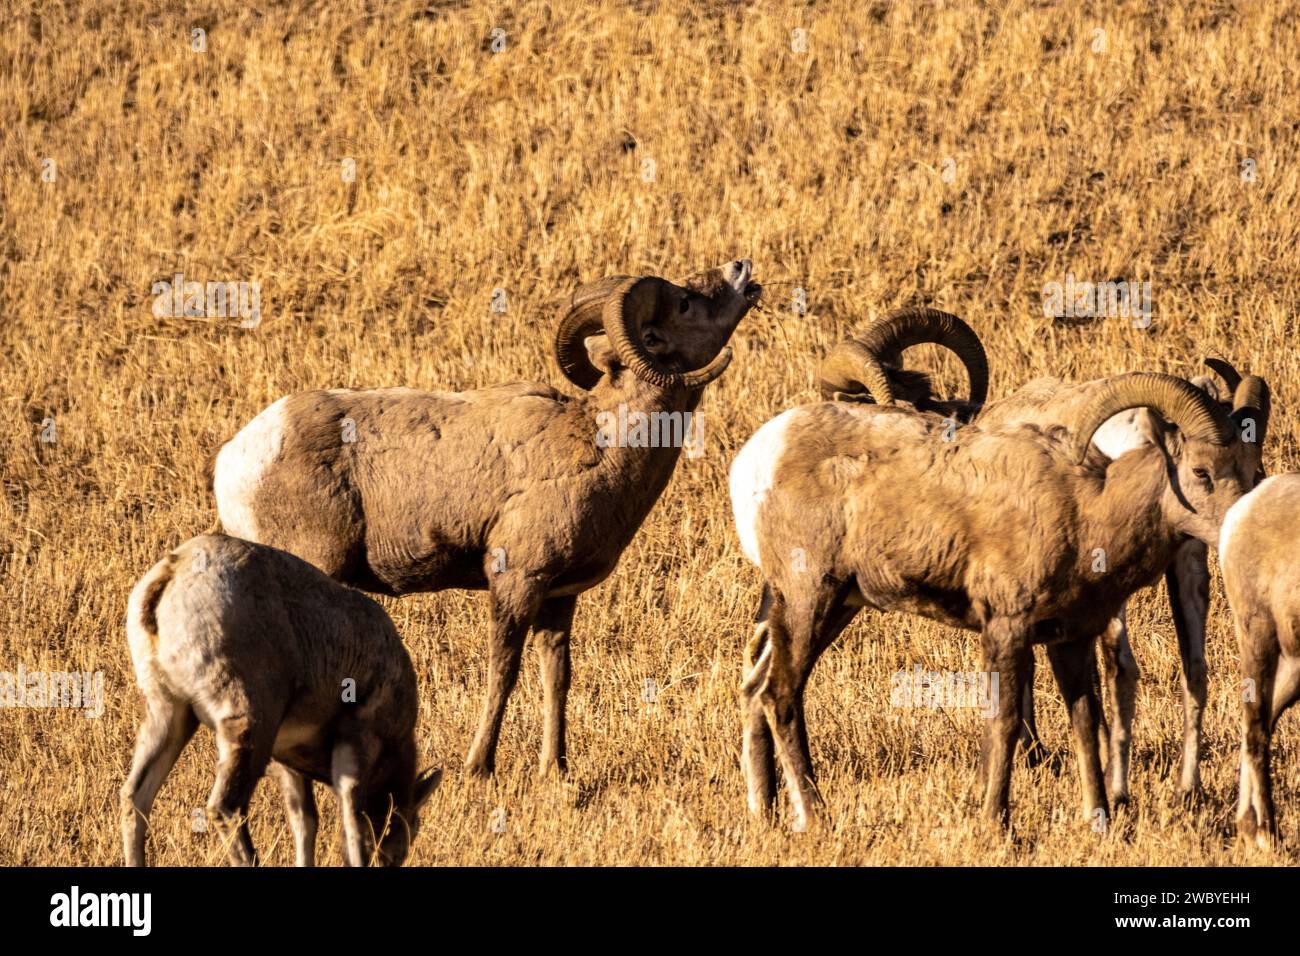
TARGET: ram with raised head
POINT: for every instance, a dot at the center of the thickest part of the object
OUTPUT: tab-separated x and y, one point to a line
519	490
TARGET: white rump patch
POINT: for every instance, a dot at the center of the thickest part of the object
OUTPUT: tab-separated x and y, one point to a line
751	477
1242	507
241	465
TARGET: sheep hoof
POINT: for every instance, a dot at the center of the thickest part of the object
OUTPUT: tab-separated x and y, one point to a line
552	771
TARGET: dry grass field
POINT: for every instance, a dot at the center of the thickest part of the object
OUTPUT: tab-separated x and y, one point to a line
960	154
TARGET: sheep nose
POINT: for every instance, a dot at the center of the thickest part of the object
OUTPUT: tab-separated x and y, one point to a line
737	273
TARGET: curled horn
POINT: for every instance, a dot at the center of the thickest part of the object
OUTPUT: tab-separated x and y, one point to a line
853	368
1231	377
883	342
633	303
583	316
1251	402
1197	415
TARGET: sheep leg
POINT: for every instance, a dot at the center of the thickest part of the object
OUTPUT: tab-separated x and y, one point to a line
1074	665
1256	817
782	700
1121	672
831	615
166	730
1031	745
797	635
300	807
1188	583
758	755
1007	654
1103	728
551	634
1259	659
241	761
514	605
347	767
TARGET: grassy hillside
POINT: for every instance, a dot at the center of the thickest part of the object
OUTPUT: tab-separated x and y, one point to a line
961	155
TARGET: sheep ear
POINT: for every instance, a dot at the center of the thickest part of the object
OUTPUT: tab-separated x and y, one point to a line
425	786
602	354
1169	437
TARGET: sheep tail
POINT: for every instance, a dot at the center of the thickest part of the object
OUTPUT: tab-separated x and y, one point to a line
142	609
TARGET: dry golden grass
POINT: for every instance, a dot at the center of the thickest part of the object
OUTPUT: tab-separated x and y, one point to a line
523	170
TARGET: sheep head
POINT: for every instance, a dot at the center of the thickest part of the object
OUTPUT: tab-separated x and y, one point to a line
1213	453
869	364
671	336
1241	392
404	802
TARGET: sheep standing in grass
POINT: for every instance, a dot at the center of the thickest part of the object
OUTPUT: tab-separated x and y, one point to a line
517	490
288	668
845	506
1048	401
868	366
1261	574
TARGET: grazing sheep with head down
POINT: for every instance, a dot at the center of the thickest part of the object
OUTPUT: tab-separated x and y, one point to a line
515	490
846	505
261	647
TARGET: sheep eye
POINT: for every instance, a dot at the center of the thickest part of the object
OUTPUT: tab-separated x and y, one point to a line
685	305
1201	475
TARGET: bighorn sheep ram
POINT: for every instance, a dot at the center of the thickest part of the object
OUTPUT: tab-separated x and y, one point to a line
1047	402
287	667
847	505
1257	555
516	489
868	366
